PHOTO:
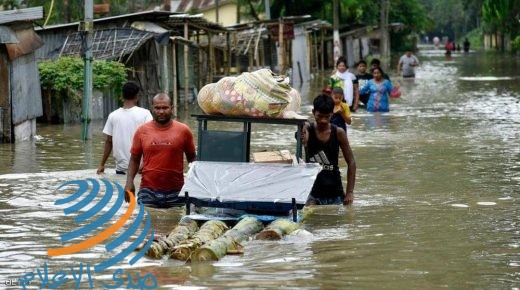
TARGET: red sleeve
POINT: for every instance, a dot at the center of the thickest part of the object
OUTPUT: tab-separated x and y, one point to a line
189	146
137	146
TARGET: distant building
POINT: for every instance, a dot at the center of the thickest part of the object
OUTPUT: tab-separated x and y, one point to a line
150	44
223	12
115	39
20	94
359	43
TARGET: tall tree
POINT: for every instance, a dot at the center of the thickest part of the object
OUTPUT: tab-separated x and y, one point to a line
411	13
249	10
499	18
449	17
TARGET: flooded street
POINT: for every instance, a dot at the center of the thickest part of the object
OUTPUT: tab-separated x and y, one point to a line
436	200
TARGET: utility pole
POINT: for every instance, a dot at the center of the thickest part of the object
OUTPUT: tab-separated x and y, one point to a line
335	33
281	47
167	5
267	10
86	29
66	9
385	37
217	4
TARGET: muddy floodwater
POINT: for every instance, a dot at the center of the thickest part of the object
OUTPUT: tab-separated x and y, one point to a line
437	197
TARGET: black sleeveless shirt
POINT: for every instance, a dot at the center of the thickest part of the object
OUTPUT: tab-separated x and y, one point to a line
328	182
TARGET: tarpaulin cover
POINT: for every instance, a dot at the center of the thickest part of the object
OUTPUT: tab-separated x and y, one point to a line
250	182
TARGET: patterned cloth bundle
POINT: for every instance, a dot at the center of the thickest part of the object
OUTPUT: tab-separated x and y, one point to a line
257	94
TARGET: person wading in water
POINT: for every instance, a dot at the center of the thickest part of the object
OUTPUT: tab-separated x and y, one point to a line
322	141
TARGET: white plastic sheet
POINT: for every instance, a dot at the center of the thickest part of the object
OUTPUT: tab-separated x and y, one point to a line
250	182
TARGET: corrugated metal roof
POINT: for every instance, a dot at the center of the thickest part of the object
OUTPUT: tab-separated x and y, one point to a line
52	44
196	21
111	44
144	15
249	25
315	24
200	5
25	14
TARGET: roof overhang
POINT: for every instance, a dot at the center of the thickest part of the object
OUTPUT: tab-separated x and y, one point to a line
196	21
108	44
152	15
26	14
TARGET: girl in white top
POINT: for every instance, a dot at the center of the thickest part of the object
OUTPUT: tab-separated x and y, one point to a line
346	80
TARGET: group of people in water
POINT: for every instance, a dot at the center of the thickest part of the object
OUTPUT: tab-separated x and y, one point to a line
151	144
372	89
155	145
451	46
332	112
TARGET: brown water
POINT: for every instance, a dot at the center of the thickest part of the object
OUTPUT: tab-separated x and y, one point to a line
436	199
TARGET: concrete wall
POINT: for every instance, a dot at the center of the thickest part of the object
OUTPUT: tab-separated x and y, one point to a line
25	130
227	14
300	54
357	49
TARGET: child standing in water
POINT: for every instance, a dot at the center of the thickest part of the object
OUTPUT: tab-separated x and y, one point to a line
363	77
341	114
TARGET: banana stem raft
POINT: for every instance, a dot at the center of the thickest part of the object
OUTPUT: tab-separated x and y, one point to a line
229	243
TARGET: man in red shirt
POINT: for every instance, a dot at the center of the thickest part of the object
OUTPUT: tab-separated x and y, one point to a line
162	144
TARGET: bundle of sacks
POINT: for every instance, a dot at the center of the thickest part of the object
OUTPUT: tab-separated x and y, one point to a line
257	94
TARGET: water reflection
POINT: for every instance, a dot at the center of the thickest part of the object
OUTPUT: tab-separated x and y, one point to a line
377	121
24	156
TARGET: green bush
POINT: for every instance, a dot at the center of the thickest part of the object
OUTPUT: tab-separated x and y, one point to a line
515	44
65	75
475	37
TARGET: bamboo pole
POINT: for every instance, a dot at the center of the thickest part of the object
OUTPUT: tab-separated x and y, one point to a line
250	58
281	49
322	45
186	74
288	55
166	77
175	88
257	58
385	39
230	55
235	42
211	59
316	53
308	41
225	56
336	40
199	61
